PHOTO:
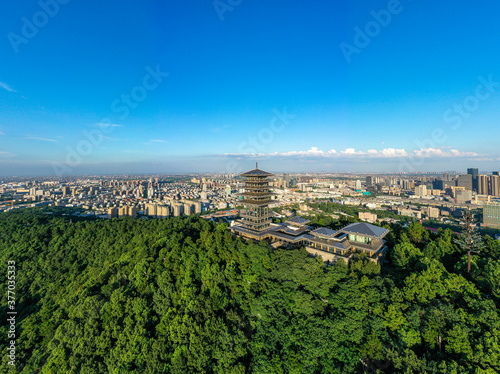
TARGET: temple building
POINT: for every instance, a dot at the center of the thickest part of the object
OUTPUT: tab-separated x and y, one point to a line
331	245
257	198
356	238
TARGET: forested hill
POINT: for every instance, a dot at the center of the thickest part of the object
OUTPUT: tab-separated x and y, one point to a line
180	295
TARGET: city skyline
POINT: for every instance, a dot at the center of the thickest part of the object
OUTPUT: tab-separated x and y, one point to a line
176	87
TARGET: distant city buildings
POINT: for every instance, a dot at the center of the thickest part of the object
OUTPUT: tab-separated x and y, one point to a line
491	215
417	196
463	196
421	191
489	185
473	172
113	212
465	181
367	216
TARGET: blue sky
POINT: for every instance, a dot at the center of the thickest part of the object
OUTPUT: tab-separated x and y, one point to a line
204	86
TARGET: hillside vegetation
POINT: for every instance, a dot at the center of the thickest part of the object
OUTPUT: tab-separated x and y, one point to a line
180	295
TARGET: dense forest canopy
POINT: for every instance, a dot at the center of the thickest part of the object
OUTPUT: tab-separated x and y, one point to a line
181	295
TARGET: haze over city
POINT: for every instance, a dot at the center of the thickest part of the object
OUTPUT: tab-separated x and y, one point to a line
166	87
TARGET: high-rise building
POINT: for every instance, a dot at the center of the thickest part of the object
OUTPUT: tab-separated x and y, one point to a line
122	211
438	184
257	198
474	173
112	212
491	215
65	190
178	209
483	184
369	181
463	196
151	210
286	178
197	207
163	211
495	185
465	181
358	184
132	211
495	173
421	190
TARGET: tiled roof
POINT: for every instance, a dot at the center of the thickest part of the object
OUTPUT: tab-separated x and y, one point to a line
324	231
256	172
367	229
299	220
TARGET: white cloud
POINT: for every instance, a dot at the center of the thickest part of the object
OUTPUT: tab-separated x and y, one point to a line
158	141
314	151
439	152
2	133
7	154
369	154
42	139
7	87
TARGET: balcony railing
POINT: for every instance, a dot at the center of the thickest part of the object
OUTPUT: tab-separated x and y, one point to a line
252	216
258	202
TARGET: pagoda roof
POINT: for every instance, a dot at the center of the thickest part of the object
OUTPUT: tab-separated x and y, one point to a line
256	172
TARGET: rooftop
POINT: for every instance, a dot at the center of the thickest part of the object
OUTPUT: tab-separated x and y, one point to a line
366	229
298	220
256	172
323	231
